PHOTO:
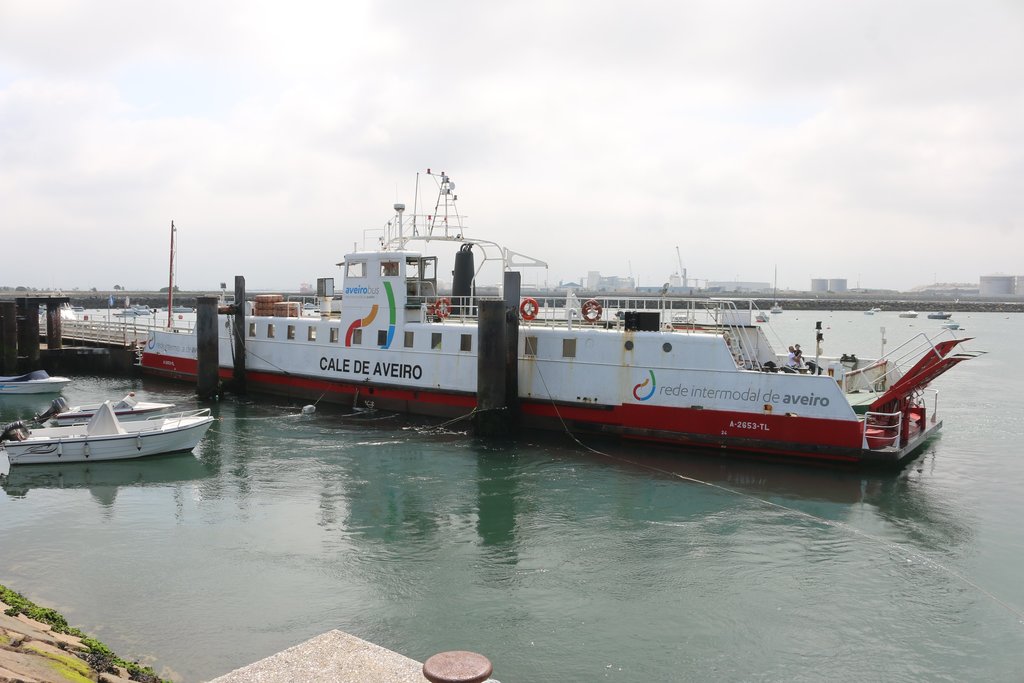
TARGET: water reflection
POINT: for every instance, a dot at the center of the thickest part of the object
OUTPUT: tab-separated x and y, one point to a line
900	499
497	482
103	479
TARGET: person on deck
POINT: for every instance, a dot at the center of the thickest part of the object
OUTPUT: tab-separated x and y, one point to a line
791	360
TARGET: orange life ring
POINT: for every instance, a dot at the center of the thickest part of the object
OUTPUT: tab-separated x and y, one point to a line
440	307
592	310
528	308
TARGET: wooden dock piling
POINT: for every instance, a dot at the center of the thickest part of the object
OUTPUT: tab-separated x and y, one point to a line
207	351
238	323
28	331
512	288
8	338
491	418
54	336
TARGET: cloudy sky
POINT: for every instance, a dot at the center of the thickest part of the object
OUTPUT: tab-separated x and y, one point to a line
878	141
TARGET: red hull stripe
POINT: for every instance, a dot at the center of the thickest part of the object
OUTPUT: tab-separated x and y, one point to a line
773	434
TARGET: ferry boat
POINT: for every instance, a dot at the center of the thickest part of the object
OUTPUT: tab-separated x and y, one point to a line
686	372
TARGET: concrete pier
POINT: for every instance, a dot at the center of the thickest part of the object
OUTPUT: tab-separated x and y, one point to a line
334	657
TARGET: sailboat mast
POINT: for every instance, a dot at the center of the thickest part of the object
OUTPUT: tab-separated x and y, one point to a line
170	282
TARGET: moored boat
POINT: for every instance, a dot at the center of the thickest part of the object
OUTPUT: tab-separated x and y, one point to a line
103	437
940	315
908	314
133	312
688	372
35	382
128	408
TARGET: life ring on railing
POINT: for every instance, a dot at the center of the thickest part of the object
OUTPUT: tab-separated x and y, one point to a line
440	307
528	308
592	310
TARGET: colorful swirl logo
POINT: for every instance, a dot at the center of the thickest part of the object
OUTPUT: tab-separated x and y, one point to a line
639	387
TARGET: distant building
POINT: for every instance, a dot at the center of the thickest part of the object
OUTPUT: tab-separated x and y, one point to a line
570	286
997	285
837	284
614	283
738	286
819	285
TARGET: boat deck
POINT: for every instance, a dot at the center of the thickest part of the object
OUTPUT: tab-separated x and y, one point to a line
860	401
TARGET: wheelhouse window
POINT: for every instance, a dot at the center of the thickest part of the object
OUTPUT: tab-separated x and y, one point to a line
355	269
389	268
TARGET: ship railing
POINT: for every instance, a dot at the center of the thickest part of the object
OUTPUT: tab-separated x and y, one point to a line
697	316
896	361
882	430
125	332
873	377
104	332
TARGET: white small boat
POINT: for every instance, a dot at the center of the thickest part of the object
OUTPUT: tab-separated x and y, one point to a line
133	312
761	317
908	314
35	382
951	325
103	437
872	311
128	408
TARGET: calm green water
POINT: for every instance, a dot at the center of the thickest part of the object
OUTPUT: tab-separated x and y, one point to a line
559	563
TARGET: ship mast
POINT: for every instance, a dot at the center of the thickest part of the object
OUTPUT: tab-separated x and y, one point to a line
170	281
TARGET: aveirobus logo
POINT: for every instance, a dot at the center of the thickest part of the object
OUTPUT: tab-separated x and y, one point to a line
638	390
363	290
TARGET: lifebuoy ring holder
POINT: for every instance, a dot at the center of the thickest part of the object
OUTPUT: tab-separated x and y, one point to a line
591	310
440	307
528	308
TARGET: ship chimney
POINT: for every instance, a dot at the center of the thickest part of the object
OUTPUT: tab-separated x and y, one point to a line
400	209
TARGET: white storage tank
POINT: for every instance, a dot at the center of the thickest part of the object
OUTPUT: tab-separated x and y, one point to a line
837	284
819	284
997	285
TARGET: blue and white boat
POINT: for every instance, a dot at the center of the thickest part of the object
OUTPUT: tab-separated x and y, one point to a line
35	382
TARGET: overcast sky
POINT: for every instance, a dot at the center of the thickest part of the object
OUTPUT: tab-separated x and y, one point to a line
881	142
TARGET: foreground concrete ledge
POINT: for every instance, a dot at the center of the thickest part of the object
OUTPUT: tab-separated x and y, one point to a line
334	657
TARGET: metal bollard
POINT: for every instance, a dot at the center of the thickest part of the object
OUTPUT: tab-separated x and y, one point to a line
457	666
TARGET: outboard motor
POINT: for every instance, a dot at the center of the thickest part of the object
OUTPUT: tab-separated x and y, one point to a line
14	431
462	278
59	405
